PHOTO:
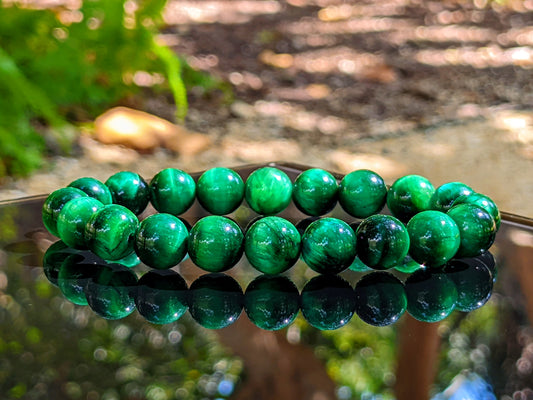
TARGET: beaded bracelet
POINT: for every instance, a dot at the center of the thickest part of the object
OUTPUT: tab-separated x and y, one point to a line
271	302
451	221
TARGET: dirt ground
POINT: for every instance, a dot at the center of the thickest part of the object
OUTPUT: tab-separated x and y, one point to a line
437	88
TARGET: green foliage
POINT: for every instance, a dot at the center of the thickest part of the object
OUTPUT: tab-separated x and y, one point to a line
59	64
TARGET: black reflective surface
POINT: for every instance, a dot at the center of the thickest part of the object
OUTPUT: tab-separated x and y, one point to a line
54	342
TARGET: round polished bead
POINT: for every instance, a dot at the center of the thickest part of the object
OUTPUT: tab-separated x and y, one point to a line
220	190
409	195
161	296
216	301
473	281
73	277
268	191
161	241
328	246
315	192
476	227
380	299
73	219
327	302
434	238
271	302
129	190
172	191
111	231
110	292
272	245
362	193
382	241
484	202
93	188
215	243
54	203
431	296
446	194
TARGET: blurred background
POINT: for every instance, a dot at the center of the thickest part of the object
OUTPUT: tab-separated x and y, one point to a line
436	88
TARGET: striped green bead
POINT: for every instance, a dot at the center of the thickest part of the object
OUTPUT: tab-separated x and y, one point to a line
445	195
484	202
73	218
220	190
53	205
362	193
94	188
130	190
268	191
315	192
409	195
172	191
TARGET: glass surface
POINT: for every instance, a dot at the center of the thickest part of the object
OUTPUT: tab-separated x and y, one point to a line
54	345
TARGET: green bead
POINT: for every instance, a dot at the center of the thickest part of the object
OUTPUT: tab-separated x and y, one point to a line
72	279
172	191
268	191
215	243
327	302
93	188
380	299
434	238
73	219
54	257
220	190
409	195
446	194
110	292
362	193
111	231
315	192
216	301
484	202
161	241
161	296
476	227
473	281
272	245
431	296
328	246
129	190
382	241
54	203
271	302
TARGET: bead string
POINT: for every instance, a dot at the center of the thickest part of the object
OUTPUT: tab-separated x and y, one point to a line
430	225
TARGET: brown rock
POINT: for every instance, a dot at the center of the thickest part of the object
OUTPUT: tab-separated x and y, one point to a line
146	132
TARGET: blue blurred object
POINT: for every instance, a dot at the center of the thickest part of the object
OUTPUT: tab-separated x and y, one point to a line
467	386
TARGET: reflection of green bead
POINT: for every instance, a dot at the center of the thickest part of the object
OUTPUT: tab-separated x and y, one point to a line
315	192
484	202
446	194
476	227
362	193
473	281
216	301
161	296
409	195
94	188
129	190
172	191
110	292
54	257
272	245
382	241
53	205
72	279
328	302
268	191
359	266
73	218
271	302
111	231
434	238
380	299
431	296
220	190
328	246
215	243
129	261
408	265
161	241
